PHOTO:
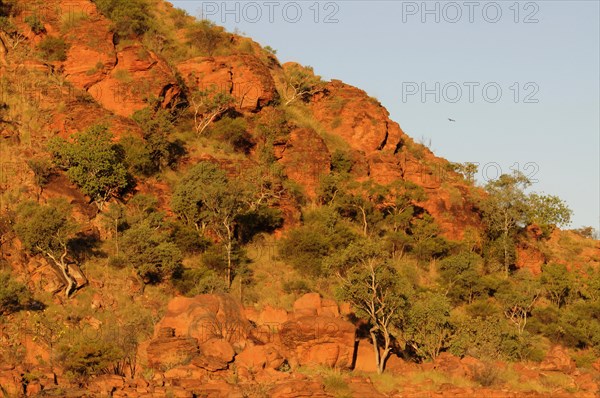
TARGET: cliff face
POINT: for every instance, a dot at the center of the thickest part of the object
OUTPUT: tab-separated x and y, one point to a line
102	81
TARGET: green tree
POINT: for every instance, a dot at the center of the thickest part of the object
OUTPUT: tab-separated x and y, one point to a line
489	338
460	275
207	105
309	246
428	329
49	230
377	292
558	283
426	240
505	211
157	126
93	162
301	83
548	211
207	199
518	297
151	254
468	170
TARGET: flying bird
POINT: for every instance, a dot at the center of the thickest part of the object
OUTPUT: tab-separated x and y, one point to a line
451	120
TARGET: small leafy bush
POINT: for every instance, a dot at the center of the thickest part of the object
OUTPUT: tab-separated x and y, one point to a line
53	49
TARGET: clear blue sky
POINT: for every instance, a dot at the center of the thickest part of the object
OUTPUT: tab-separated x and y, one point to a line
394	49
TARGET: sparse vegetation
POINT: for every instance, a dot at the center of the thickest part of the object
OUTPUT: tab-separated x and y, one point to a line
53	49
14	296
197	196
93	162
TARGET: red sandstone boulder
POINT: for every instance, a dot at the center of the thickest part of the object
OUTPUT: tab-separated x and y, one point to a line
106	385
219	349
315	340
558	359
307	305
167	351
329	308
259	357
205	317
272	317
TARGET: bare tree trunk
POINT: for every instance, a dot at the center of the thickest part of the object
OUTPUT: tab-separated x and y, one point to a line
64	268
365	224
229	250
376	348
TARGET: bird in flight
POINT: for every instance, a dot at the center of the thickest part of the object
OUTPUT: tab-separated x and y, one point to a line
451	120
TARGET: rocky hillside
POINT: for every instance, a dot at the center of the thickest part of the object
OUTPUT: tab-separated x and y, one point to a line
182	215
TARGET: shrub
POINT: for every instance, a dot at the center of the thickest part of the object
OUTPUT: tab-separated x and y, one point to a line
186	238
206	36
151	254
200	281
308	247
35	24
341	162
53	49
487	375
87	357
129	17
94	163
13	295
297	287
234	132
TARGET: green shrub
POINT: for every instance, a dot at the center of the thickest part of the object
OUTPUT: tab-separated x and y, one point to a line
13	295
93	162
151	253
53	49
35	24
83	358
234	132
118	262
297	287
341	162
199	281
130	18
206	37
187	238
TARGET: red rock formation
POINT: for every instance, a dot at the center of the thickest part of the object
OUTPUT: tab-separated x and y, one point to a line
306	159
316	340
384	153
138	75
205	317
243	76
558	359
167	350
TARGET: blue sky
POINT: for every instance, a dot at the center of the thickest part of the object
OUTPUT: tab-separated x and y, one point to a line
538	62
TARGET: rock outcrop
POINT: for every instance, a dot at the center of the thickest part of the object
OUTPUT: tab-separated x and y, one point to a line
243	76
